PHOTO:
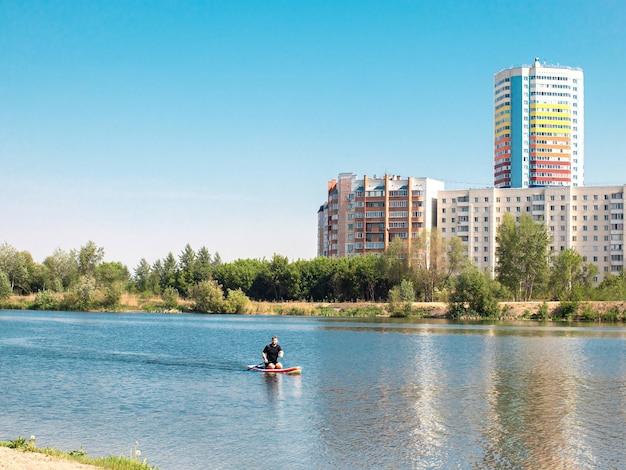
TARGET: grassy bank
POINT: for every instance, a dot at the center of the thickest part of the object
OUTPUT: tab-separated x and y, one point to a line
588	311
132	462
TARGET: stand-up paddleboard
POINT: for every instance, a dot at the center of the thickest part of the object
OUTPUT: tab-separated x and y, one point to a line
286	370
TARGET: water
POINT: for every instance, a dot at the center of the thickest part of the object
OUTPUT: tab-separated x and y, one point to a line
428	394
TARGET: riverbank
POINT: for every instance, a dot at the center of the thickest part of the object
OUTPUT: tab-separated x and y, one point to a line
585	310
510	310
14	459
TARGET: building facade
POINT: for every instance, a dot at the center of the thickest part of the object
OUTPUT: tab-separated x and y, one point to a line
539	126
363	215
588	219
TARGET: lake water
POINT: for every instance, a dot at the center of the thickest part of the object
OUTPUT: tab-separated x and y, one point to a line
387	394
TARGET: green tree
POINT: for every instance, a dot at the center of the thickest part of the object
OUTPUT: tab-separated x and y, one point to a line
204	265
474	293
571	277
39	276
315	278
142	276
433	260
186	270
612	287
167	270
14	265
343	280
239	274
88	257
394	262
366	276
401	298
63	269
522	253
108	273
278	276
5	286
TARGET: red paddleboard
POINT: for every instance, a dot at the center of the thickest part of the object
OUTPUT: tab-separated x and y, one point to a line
286	370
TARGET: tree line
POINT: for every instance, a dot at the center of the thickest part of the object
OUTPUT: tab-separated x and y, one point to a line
426	268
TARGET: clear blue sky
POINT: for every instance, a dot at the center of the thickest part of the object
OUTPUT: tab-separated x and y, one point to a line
144	126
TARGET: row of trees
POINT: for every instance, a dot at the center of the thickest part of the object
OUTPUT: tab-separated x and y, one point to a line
427	268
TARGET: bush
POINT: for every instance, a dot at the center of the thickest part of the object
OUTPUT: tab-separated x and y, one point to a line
170	298
82	296
612	315
401	299
111	296
236	301
474	293
589	314
46	300
208	297
567	309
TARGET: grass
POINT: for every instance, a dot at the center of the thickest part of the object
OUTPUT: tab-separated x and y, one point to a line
121	462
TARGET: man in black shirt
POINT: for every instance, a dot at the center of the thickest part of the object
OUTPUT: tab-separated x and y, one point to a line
271	353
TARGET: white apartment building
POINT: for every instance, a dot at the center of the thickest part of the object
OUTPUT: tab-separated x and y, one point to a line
588	219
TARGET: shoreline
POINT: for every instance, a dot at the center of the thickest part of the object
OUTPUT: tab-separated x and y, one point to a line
436	310
15	459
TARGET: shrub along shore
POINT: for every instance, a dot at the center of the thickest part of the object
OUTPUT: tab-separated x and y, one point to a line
589	311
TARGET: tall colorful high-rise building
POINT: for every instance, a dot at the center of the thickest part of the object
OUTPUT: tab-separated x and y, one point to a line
539	126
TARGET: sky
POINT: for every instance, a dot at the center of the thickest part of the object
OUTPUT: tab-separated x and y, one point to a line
147	126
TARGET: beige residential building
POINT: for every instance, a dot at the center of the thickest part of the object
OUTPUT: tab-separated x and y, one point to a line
588	219
363	215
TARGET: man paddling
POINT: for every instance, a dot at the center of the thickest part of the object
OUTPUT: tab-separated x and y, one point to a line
271	353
